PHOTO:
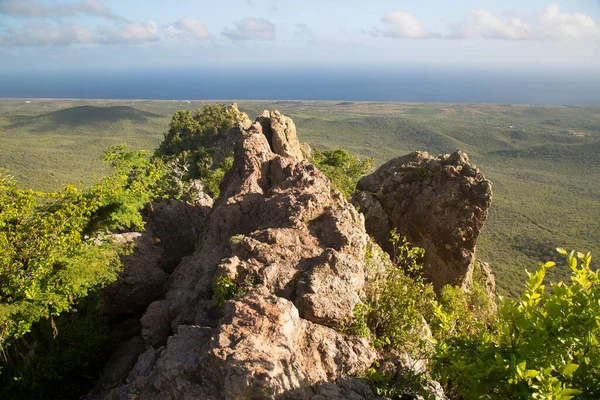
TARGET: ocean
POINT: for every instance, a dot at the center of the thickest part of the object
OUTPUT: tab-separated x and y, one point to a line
426	84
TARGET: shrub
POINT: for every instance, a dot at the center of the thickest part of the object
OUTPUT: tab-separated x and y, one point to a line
466	314
194	139
342	168
45	261
226	288
51	258
212	177
547	347
395	305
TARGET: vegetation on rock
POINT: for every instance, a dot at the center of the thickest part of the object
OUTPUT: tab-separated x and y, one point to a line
55	250
545	345
193	139
342	168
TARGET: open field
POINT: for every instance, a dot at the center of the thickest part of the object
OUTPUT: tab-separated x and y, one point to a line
544	161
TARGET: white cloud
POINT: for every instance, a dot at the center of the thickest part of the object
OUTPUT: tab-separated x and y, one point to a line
130	33
172	31
548	24
303	30
189	25
405	25
251	29
22	8
564	26
47	35
89	7
32	9
482	24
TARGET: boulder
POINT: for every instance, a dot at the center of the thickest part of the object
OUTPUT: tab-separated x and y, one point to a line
440	203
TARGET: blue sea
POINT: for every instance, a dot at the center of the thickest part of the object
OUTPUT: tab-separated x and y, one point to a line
426	84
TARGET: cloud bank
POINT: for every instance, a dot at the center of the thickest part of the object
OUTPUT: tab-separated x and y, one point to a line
41	23
190	26
47	35
405	25
548	24
251	29
129	33
53	30
27	8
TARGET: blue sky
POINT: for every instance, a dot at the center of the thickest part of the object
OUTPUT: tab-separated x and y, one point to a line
109	34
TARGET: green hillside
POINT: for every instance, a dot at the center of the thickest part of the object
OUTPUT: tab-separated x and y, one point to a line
544	161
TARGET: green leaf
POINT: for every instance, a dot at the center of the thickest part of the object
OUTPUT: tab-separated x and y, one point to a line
531	373
569	369
570	392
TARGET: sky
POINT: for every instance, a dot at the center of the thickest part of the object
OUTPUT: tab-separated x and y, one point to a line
76	35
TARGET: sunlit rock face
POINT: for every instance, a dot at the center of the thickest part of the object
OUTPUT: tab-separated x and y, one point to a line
298	248
440	203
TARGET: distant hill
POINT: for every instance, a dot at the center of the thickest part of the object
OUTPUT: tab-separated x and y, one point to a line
580	153
83	116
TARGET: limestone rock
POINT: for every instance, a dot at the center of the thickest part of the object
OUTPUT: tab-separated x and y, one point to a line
296	247
123	359
278	352
285	140
306	150
439	203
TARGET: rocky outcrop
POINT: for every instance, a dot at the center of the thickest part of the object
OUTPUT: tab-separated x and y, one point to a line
172	228
177	225
142	280
285	140
291	250
439	203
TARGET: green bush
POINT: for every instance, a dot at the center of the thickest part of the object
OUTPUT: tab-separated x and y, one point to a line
395	304
194	139
212	177
46	263
464	314
136	181
54	252
544	346
225	288
342	168
547	347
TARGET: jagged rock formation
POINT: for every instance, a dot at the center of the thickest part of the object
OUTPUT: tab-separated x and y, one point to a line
297	247
439	203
